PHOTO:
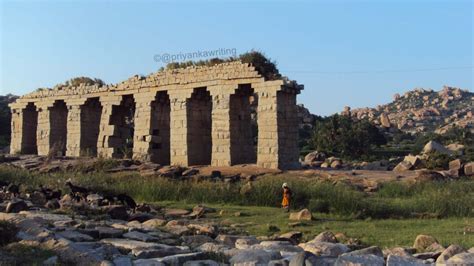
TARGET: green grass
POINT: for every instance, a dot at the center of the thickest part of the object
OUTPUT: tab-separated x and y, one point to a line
379	232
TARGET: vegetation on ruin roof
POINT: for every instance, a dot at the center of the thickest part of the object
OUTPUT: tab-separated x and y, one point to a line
75	82
265	66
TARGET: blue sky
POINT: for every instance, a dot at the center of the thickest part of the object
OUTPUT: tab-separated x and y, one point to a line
356	53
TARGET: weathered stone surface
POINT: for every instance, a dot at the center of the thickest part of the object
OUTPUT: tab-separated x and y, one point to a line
179	259
469	169
434	146
461	259
449	252
325	236
254	257
134	235
394	260
117	212
201	263
403	166
374	250
75	236
325	248
348	260
154	223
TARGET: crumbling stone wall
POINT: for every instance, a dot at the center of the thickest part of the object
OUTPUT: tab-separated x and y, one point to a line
197	115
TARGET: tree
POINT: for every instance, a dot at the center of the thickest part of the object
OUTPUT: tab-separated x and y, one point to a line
341	136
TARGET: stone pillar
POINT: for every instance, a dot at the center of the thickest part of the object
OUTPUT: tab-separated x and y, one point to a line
277	126
221	133
178	126
73	142
105	141
142	136
43	139
17	130
287	129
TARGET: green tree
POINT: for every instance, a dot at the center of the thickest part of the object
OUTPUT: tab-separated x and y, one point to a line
341	136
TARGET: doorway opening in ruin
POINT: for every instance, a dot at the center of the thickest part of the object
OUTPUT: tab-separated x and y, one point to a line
243	130
199	117
91	113
58	128
123	118
160	129
29	128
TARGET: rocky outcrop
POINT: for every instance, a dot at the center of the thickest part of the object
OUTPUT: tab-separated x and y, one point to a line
422	110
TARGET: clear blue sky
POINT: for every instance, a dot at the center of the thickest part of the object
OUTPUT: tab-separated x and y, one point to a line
356	53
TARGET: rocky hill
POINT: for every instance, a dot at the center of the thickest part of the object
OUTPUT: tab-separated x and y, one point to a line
422	110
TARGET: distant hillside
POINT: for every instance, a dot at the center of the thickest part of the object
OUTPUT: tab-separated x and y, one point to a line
422	110
5	118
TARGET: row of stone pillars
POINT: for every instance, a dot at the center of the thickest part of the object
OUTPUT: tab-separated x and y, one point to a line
198	126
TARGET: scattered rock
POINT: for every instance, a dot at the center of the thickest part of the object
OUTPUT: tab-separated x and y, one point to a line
394	260
469	169
325	248
449	252
134	235
423	241
434	146
461	259
325	236
373	250
349	260
303	215
254	257
403	166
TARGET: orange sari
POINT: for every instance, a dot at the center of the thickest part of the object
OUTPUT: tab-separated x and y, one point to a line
285	203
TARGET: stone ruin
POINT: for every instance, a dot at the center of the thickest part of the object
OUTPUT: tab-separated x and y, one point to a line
191	116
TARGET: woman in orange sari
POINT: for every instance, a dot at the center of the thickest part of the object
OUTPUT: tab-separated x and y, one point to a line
285	203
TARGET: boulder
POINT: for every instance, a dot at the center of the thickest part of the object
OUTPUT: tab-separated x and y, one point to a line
314	157
456	167
176	212
201	263
336	164
456	148
465	258
415	161
469	169
373	250
303	215
325	236
403	166
449	252
304	258
428	176
179	259
293	236
140	217
423	241
134	235
75	236
349	260
16	206
254	257
245	243
384	120
434	146
325	248
107	232
394	260
154	223
196	240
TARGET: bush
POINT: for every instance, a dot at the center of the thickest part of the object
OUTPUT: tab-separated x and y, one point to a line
438	161
341	136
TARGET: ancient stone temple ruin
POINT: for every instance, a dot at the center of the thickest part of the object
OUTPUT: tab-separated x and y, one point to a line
191	116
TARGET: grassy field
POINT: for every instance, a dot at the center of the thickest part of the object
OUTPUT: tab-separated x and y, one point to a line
380	232
392	216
